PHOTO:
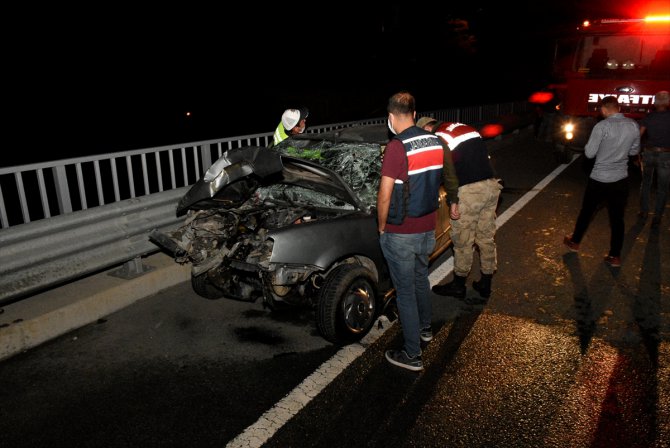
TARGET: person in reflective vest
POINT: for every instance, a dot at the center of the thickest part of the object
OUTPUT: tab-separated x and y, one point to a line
293	121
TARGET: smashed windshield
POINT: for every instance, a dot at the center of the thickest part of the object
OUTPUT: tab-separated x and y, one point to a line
359	164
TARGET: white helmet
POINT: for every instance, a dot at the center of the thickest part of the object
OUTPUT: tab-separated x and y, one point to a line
291	117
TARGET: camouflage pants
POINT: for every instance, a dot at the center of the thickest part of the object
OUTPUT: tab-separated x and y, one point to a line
477	225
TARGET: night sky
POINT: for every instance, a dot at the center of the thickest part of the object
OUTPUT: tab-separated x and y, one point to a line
83	82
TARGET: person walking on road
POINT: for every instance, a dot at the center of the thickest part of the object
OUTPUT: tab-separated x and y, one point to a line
612	141
407	202
478	194
655	130
293	121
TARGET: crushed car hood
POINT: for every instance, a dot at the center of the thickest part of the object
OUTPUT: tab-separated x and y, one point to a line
237	174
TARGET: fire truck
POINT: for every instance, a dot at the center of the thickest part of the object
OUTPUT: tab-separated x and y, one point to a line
626	58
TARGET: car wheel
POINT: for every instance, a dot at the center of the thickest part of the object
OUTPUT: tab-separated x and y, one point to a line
347	304
205	288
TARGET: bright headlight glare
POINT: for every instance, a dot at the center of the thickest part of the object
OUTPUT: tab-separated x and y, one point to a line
569	127
569	135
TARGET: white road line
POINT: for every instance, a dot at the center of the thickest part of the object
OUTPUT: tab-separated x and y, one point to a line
270	422
518	205
441	271
274	418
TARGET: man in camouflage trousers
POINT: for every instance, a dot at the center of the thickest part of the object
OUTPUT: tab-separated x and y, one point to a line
478	194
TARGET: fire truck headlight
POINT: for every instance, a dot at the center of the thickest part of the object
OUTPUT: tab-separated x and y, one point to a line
612	64
568	129
628	65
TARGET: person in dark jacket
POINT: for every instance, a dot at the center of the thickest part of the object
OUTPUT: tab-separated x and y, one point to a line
478	193
655	130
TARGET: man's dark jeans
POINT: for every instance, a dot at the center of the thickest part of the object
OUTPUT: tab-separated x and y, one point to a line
615	195
407	258
658	162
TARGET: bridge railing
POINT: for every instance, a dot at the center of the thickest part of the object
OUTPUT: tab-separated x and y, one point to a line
64	219
42	190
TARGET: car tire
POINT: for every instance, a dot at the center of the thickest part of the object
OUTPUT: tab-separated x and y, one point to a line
205	288
347	306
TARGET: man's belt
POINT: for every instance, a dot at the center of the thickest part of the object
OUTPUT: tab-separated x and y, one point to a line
657	149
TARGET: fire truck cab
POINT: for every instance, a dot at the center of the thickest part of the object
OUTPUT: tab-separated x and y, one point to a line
626	58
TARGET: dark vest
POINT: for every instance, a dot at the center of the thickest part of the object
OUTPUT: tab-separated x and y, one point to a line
420	194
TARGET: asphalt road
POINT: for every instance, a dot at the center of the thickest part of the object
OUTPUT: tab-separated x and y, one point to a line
567	352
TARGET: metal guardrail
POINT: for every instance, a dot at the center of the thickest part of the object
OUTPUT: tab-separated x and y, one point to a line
48	252
77	216
43	190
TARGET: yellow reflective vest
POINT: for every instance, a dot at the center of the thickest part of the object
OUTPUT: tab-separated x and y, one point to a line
280	134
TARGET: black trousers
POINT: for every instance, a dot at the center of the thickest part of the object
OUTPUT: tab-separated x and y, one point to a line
614	195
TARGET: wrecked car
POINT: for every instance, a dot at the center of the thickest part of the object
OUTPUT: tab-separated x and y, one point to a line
294	225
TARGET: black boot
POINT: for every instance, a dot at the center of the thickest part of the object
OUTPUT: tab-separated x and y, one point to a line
455	288
483	286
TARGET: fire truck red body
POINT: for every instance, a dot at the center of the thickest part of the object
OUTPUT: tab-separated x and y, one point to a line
627	58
